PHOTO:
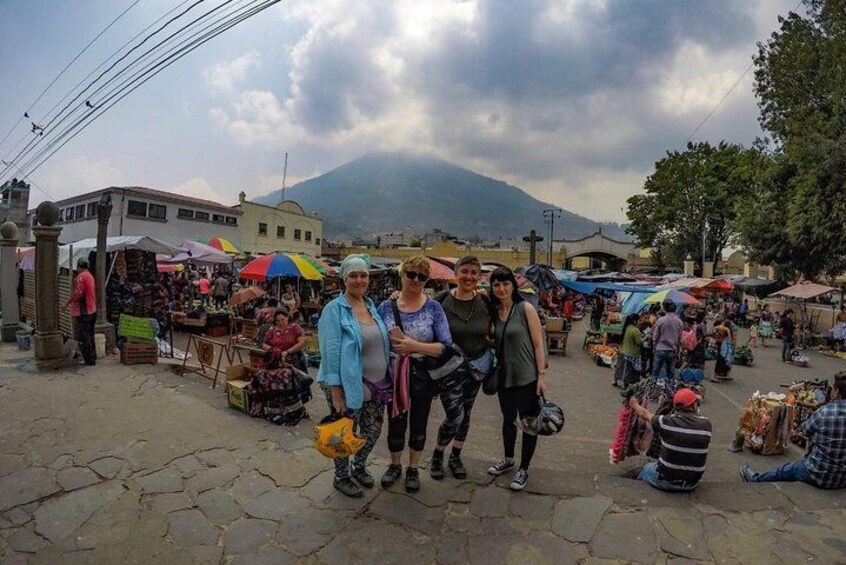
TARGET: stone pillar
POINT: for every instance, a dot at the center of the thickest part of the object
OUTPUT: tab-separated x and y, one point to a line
48	339
708	270
9	282
771	274
750	270
688	266
104	212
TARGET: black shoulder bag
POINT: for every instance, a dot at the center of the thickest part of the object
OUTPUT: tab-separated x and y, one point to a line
495	380
447	371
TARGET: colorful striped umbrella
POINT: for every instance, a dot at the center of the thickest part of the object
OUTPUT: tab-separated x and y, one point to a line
672	295
221	245
322	267
279	265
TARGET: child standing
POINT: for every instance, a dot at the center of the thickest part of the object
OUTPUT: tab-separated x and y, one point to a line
753	335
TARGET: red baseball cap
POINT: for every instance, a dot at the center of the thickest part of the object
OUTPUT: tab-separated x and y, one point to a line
685	397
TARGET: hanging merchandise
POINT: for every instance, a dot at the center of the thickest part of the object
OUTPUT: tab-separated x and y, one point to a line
633	435
279	395
765	425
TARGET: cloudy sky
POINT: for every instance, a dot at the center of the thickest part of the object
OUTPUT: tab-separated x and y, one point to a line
572	100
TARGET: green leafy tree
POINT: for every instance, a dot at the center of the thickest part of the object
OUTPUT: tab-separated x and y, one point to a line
800	81
690	201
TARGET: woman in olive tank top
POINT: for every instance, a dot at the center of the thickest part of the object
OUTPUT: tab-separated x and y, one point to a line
521	363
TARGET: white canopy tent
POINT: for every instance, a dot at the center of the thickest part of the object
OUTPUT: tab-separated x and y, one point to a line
199	253
118	243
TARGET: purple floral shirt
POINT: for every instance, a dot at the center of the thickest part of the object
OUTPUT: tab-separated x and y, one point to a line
427	325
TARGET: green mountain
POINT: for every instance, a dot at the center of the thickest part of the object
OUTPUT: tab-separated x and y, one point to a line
385	192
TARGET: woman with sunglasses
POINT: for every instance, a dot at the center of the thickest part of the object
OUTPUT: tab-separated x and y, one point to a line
521	361
422	331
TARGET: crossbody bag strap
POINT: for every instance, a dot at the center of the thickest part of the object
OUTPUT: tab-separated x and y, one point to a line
501	345
397	319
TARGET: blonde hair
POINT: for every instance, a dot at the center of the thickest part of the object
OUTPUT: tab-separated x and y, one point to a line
418	263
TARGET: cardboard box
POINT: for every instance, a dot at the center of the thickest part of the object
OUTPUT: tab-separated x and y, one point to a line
554	324
237	395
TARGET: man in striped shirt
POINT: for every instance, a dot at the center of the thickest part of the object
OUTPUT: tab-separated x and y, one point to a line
684	437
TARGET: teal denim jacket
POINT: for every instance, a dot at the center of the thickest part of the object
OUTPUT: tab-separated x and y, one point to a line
340	348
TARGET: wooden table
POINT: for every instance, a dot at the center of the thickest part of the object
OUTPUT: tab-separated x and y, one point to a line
556	342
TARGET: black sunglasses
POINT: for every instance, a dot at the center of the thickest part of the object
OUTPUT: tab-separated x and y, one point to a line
412	276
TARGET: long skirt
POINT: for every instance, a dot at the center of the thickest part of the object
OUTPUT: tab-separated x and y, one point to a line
766	330
725	358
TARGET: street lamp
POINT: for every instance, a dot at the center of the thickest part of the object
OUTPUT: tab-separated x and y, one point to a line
104	212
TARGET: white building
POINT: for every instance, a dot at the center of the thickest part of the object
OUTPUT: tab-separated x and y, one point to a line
144	211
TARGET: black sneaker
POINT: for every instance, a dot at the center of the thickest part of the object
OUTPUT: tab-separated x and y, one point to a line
412	479
501	467
391	475
364	478
521	477
436	468
348	487
457	468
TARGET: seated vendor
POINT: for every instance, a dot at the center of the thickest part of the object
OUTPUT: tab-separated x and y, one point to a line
684	436
825	464
284	342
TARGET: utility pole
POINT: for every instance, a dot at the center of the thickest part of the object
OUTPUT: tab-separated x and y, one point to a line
550	214
533	240
284	176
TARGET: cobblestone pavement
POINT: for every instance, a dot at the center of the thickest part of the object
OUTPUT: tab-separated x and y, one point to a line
115	464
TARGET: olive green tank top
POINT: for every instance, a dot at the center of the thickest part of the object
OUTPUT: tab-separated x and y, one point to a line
518	352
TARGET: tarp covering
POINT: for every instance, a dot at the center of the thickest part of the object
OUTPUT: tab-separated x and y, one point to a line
701	285
804	290
590	288
200	253
118	243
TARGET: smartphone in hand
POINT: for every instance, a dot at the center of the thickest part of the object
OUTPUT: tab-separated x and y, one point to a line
396	333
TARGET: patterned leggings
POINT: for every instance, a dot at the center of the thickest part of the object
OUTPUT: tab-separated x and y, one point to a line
368	421
469	391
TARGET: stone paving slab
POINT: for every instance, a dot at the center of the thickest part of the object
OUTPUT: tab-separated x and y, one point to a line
577	519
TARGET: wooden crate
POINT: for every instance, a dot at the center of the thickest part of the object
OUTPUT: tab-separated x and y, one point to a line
139	353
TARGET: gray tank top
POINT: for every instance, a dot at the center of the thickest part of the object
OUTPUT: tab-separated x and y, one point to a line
374	364
518	350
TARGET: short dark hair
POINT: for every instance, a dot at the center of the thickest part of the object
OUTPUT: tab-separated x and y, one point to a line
272	303
669	306
468	260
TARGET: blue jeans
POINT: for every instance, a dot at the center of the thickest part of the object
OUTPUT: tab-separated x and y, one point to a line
649	473
793	471
664	358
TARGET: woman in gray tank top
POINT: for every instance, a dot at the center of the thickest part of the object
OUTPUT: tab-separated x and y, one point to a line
522	366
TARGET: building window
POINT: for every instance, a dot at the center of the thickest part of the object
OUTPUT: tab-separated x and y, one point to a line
80	212
204	216
69	214
91	209
35	221
262	228
185	213
218	218
136	208
158	212
317	241
232	220
298	234
280	231
308	236
61	217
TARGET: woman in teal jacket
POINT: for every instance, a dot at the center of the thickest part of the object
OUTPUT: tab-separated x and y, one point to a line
353	373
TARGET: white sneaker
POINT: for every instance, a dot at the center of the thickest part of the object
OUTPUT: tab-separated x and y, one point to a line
501	467
521	477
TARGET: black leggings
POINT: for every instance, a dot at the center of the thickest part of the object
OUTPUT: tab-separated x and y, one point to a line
421	395
522	400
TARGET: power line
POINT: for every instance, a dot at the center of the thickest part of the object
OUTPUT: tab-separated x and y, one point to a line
730	90
195	44
98	67
36	140
129	81
72	61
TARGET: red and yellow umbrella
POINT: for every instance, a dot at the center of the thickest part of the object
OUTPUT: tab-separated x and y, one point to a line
221	245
